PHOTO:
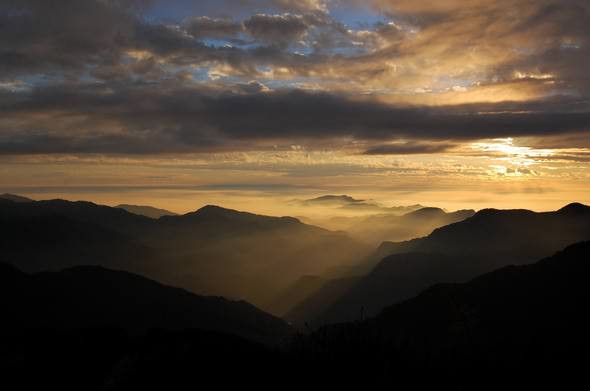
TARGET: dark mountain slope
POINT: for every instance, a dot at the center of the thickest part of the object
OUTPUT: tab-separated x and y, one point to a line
296	293
521	235
212	251
455	253
145	210
114	219
309	310
520	326
396	278
53	241
14	198
94	297
545	297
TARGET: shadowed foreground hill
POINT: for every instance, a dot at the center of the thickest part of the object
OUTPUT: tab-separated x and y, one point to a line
213	251
455	253
520	327
94	297
396	278
310	309
529	322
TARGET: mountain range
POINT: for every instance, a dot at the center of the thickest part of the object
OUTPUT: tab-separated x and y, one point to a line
518	326
144	210
94	297
99	298
213	251
488	240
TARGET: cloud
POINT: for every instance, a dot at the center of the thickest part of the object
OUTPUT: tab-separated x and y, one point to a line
99	76
178	118
408	148
276	29
206	27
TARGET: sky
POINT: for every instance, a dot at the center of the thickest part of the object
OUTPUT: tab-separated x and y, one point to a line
255	104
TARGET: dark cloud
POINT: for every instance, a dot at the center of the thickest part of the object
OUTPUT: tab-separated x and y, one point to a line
73	38
276	29
206	27
145	100
408	148
144	119
38	35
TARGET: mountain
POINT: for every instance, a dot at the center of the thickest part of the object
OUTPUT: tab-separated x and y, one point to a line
300	290
148	211
250	256
519	235
95	297
14	198
519	326
395	278
488	240
354	208
374	223
383	227
308	311
213	251
332	200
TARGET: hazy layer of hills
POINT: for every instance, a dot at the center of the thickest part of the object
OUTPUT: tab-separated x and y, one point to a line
144	210
457	252
351	204
372	223
382	227
212	251
465	304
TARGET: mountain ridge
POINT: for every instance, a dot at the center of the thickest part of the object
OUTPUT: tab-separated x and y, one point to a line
94	296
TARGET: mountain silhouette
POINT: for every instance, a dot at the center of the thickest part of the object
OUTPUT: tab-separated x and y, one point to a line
518	326
333	200
144	210
95	297
397	277
303	288
519	234
212	251
308	312
455	253
14	198
382	227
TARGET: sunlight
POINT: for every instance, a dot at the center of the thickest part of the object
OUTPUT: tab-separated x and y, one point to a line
504	149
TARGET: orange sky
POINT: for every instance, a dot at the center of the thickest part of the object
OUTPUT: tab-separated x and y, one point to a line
177	104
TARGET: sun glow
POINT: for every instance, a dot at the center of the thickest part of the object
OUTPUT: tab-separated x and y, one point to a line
504	149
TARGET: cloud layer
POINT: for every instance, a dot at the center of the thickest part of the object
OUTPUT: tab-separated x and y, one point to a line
408	77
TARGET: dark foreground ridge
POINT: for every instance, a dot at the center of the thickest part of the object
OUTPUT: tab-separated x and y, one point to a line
519	327
95	297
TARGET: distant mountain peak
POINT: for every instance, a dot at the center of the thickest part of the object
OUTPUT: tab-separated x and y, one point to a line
214	210
217	212
575	208
343	198
145	210
14	198
427	210
489	212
